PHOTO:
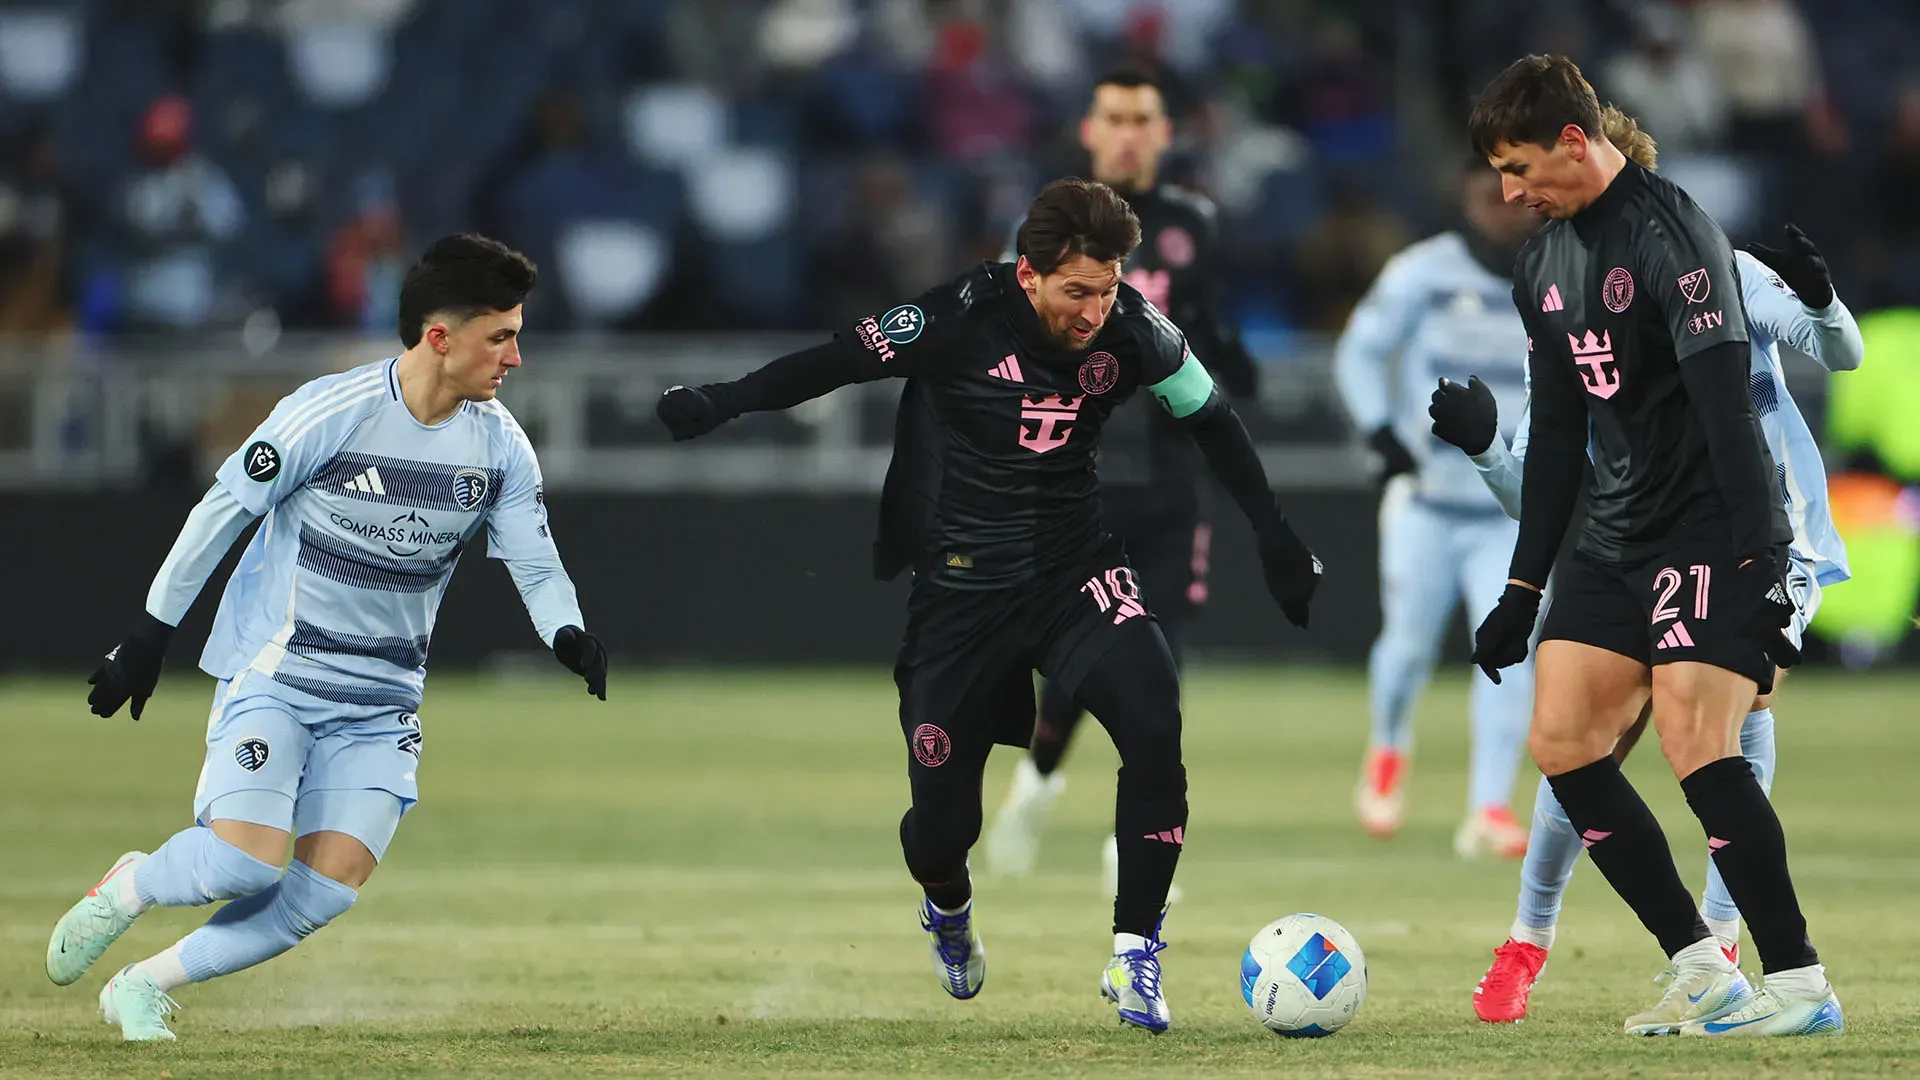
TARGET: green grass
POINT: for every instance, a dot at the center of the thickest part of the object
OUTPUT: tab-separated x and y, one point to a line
702	877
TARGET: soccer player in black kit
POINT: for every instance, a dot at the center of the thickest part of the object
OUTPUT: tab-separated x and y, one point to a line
1639	343
992	500
1151	474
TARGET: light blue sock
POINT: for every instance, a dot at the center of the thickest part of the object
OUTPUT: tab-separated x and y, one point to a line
1756	745
264	925
1500	717
1552	851
195	867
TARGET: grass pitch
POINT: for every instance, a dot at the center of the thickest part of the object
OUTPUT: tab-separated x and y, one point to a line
702	878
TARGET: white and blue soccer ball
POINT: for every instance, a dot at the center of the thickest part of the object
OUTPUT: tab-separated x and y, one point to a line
1303	976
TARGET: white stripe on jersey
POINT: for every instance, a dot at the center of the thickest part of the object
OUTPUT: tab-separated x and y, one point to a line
347	403
321	400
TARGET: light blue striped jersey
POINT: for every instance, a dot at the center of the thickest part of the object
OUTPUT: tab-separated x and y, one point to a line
1775	316
1445	316
367	510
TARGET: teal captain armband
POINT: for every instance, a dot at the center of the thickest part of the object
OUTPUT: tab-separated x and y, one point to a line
1186	390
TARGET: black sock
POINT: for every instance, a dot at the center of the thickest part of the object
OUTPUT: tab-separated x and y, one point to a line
944	878
1059	715
1626	843
1750	851
1150	823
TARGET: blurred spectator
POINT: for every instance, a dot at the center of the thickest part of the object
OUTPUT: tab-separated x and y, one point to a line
1339	99
976	105
177	214
37	223
1665	85
892	245
1343	253
367	257
1897	242
1761	55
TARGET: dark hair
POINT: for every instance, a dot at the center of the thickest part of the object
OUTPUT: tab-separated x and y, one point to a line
462	276
1129	78
1077	217
1532	102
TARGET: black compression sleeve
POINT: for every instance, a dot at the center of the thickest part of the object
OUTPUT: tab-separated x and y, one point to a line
792	379
1716	382
1550	478
1231	455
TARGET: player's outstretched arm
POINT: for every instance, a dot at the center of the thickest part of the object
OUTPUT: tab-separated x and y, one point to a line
1803	311
691	411
520	534
1469	418
1292	570
1379	327
131	669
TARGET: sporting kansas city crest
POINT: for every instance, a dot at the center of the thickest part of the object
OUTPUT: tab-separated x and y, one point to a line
469	488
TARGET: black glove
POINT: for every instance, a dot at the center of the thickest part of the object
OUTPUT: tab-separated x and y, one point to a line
583	654
1394	457
131	669
1502	638
1801	266
691	411
1292	571
1766	605
1465	416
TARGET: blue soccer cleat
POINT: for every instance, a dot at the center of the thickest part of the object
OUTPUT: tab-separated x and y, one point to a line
958	956
1132	982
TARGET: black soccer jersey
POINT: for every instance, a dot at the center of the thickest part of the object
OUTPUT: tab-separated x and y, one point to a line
1176	269
993	479
1616	299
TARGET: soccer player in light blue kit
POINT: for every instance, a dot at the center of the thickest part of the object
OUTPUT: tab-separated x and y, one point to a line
371	482
1444	307
1789	299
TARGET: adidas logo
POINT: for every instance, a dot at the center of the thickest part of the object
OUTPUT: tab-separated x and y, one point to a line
1676	637
1552	302
1008	369
368	482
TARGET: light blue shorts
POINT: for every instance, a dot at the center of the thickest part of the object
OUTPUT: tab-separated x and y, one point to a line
281	758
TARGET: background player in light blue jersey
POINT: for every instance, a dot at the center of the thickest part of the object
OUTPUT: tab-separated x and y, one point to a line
1789	299
371	483
1444	307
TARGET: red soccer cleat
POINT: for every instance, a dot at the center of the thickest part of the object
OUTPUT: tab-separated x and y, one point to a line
1501	997
1380	796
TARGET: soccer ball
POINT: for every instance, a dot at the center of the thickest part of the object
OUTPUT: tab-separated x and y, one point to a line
1303	976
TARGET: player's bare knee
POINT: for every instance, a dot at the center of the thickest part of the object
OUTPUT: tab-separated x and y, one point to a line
262	842
336	856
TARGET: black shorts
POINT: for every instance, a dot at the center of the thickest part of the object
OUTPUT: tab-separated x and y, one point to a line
1662	611
965	667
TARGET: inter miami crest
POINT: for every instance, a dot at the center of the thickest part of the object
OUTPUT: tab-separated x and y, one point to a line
262	462
251	754
469	488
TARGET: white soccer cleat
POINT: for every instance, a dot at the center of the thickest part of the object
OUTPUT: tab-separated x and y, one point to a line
1491	831
1110	871
83	934
1701	986
1781	1008
1013	844
1132	982
134	1001
958	956
1380	797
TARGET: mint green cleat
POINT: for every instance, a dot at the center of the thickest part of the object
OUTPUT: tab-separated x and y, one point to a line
90	926
134	1001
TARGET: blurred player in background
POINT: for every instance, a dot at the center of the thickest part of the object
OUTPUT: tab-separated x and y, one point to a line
371	483
1151	475
1443	307
1789	298
992	499
1680	584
